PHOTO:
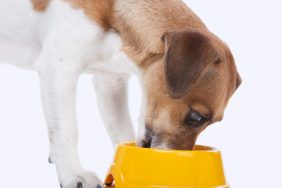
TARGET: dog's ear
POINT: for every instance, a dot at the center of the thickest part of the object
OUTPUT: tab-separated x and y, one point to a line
238	80
187	56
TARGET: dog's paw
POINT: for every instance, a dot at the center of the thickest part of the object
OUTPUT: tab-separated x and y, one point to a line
81	179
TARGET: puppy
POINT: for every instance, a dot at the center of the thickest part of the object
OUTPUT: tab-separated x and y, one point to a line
186	72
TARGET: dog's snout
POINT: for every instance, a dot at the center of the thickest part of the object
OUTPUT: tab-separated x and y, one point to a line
145	143
162	140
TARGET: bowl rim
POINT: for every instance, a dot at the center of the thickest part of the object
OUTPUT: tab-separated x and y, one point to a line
198	148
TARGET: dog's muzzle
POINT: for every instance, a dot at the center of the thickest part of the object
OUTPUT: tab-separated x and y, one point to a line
146	142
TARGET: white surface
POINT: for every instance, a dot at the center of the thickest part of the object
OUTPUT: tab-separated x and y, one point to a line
249	136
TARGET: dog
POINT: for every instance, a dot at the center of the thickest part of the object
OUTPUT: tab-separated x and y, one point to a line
187	73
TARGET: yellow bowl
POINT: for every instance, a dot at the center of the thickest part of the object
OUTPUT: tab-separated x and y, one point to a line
135	167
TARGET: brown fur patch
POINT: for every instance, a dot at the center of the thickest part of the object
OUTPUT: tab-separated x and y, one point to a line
100	11
40	5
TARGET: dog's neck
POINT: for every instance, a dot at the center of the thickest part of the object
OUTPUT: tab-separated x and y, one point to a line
142	55
141	26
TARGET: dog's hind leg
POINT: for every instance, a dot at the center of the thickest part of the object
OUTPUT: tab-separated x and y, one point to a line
112	101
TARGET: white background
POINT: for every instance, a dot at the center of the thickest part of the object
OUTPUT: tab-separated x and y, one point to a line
250	136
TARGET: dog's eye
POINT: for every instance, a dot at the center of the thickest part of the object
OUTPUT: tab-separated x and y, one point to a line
194	118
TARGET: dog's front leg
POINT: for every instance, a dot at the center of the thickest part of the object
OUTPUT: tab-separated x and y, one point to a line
58	93
112	101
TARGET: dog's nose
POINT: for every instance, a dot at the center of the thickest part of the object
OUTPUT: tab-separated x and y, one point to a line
79	185
145	143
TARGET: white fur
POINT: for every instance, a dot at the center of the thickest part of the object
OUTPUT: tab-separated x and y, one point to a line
60	44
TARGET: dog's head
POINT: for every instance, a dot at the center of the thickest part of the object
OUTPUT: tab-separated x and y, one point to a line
188	89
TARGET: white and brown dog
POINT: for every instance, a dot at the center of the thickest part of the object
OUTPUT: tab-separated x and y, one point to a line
187	73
